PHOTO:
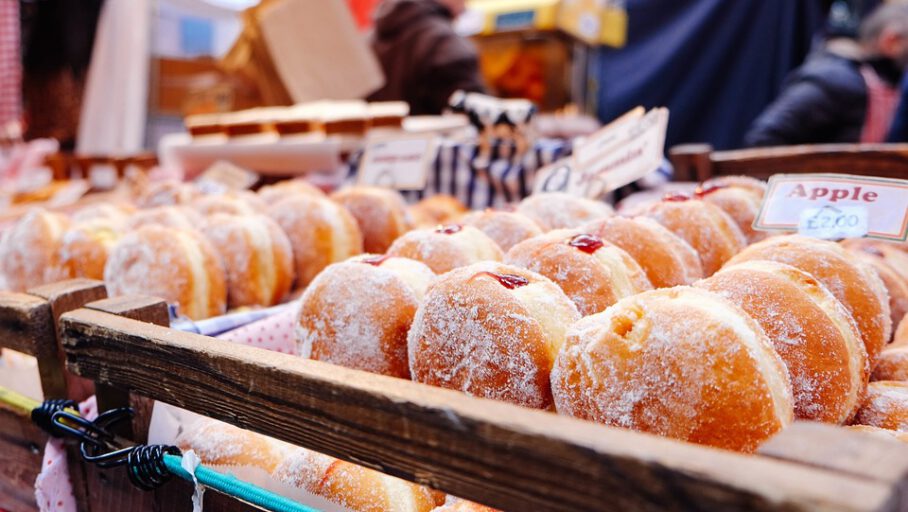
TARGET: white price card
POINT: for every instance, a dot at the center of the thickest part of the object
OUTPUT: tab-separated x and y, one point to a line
397	160
836	206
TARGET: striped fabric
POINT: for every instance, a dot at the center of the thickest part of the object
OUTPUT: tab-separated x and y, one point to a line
882	100
10	63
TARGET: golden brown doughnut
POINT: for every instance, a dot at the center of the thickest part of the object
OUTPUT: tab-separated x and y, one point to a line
556	210
892	364
381	214
85	247
592	272
256	256
708	229
507	229
177	217
179	266
880	432
892	281
757	187
236	202
321	232
885	406
115	213
665	257
490	330
435	210
446	247
222	444
678	362
741	204
900	339
856	285
30	250
813	333
271	194
357	313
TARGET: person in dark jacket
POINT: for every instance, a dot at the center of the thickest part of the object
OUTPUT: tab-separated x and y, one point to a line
828	99
423	59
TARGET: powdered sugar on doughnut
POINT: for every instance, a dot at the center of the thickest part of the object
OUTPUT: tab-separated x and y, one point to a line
507	229
443	252
29	249
885	406
556	210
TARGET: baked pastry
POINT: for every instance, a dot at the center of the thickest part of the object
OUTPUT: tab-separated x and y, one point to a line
895	285
446	247
114	213
556	210
490	330
592	272
900	339
708	229
892	364
30	250
381	214
85	246
241	202
221	444
813	333
741	204
270	194
853	283
435	210
454	504
880	432
679	362
357	313
166	193
177	217
177	265
321	232
256	256
757	187
507	229
885	406
665	257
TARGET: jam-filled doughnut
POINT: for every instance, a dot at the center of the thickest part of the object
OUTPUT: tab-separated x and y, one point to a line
30	250
708	229
895	285
592	272
221	444
892	364
885	406
381	214
741	204
321	232
853	283
754	185
507	229
357	313
271	194
665	257
180	266
435	210
85	246
446	247
557	210
241	202
813	333
177	217
256	255
678	362
490	330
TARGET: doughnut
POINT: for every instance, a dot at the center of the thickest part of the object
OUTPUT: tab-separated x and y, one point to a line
30	248
708	229
166	193
557	210
357	313
892	364
352	486
446	247
381	214
889	252
177	265
757	187
490	330
435	210
256	257
234	202
270	194
592	272
811	330
741	204
880	432
454	504
507	229
85	246
853	283
665	257
221	444
321	232
900	339
677	362
177	217
115	213
892	281
885	406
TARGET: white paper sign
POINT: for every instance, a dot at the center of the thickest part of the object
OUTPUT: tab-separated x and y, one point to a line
834	222
400	161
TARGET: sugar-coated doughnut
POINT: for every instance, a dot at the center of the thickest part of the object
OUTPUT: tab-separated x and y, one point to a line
885	406
678	362
665	257
321	232
256	256
222	444
115	213
179	266
755	186
381	214
491	330
708	229
167	193
741	204
507	229
357	313
352	486
85	246
813	333
594	273
556	210
446	247
900	339
894	283
30	250
454	504
271	194
435	210
236	202
883	433
892	364
856	285
177	217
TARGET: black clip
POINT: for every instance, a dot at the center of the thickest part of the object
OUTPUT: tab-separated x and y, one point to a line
43	415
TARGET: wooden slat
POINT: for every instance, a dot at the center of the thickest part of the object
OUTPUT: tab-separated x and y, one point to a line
21	444
496	453
26	324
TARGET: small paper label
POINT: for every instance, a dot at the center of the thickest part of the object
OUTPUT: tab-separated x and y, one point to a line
883	204
398	160
222	176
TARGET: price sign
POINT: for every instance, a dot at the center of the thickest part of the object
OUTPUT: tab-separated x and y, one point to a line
834	222
399	161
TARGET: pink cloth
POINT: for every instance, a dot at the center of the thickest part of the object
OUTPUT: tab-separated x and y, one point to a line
53	490
273	333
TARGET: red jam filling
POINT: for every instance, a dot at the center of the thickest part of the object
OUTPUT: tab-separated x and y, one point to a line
586	243
449	229
509	281
705	191
375	260
676	197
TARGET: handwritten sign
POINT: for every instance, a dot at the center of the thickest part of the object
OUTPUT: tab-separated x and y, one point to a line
223	175
399	161
836	206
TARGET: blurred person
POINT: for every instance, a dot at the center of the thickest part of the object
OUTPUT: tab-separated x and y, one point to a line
898	130
423	59
846	92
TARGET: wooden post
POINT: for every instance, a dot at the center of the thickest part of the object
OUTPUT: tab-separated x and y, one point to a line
691	162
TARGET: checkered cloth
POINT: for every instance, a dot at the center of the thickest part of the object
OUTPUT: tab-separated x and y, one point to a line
10	63
224	323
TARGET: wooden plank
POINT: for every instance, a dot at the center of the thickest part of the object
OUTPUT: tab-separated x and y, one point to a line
885	160
26	323
21	445
495	453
